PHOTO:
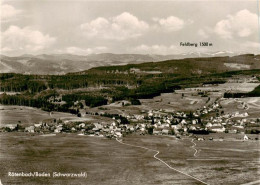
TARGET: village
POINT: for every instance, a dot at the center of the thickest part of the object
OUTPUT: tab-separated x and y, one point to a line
153	122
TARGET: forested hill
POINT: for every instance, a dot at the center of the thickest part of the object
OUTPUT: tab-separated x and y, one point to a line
184	67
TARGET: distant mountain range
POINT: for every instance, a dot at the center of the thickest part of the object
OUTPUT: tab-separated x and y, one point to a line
66	63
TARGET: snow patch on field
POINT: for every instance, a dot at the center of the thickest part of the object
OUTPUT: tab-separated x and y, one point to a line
237	66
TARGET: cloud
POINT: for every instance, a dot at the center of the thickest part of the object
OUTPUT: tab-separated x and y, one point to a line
203	33
154	49
83	51
9	12
26	40
122	27
171	23
251	45
242	24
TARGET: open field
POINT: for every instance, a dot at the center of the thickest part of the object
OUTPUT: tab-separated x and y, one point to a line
232	105
117	108
214	161
167	101
175	101
240	87
26	115
110	162
10	114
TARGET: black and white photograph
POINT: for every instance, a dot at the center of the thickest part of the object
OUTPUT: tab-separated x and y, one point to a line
130	92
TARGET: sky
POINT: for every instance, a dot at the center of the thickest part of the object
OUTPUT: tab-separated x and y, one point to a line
85	27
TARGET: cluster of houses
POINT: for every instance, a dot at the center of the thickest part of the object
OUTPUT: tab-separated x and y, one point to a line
156	122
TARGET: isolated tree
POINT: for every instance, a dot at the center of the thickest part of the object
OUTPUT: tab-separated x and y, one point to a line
190	115
199	120
152	120
150	130
172	132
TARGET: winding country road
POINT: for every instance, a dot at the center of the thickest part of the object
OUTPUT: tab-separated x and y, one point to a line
157	158
252	183
193	147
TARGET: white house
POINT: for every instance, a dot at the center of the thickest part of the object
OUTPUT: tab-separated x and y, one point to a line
118	134
218	129
245	138
194	121
183	122
156	132
29	129
58	129
209	124
10	126
142	129
82	125
165	131
37	125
